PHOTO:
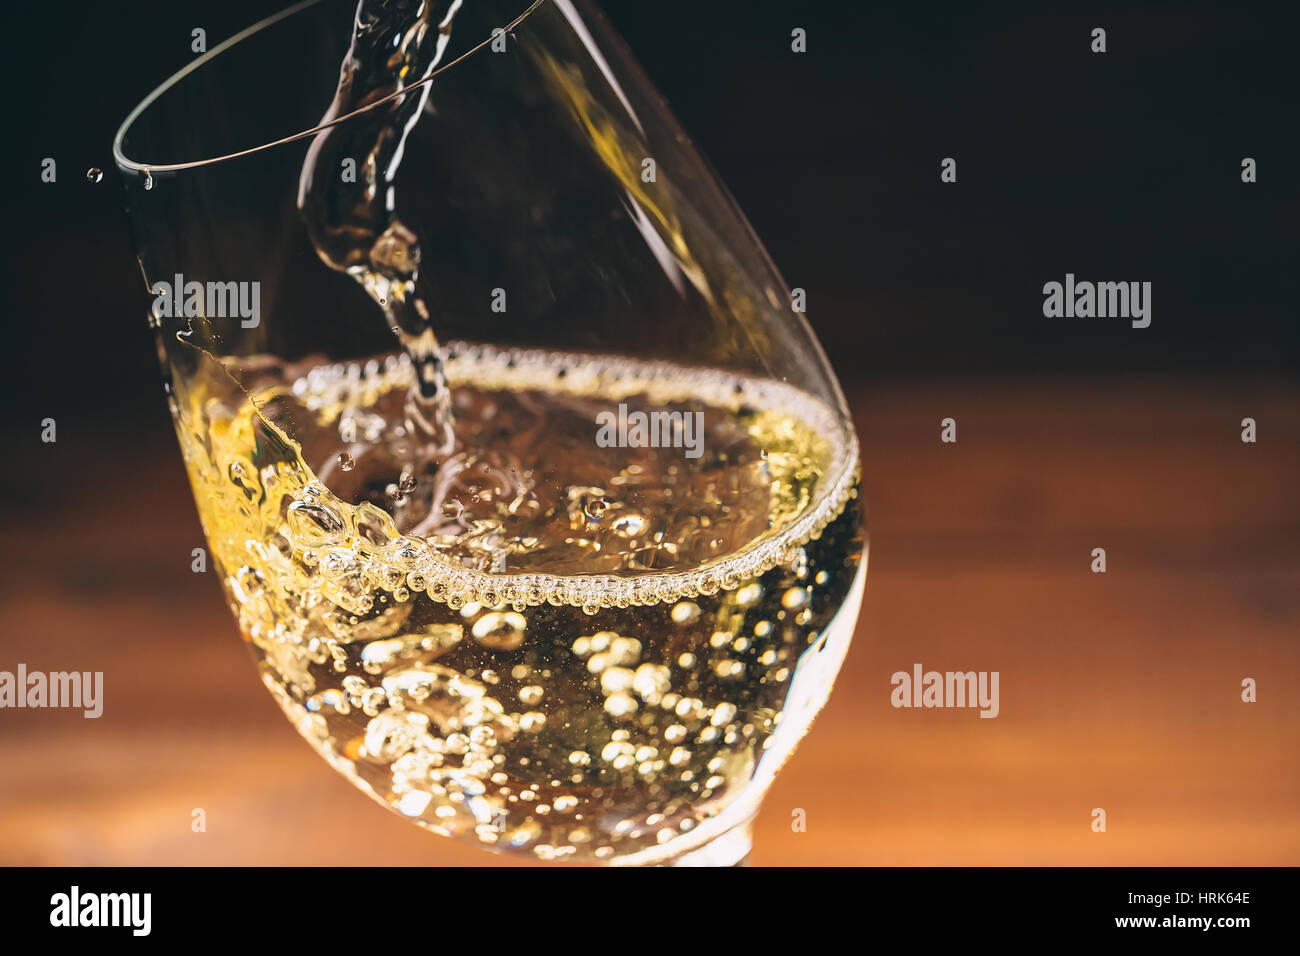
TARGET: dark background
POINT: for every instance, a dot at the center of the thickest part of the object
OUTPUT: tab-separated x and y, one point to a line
1121	166
1120	690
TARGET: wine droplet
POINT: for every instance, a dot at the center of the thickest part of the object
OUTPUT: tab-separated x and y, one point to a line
94	174
346	461
148	178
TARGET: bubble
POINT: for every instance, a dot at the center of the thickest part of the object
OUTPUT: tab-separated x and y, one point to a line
500	630
525	833
621	705
688	707
346	461
435	640
247	582
580	758
346	627
406	484
451	700
749	594
799	565
615	680
684	612
393	733
728	668
651	682
414	802
624	650
794	599
94	174
313	525
532	694
615	749
595	508
629	525
332	700
723	714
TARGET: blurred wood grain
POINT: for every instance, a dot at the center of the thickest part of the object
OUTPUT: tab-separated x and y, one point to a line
1118	690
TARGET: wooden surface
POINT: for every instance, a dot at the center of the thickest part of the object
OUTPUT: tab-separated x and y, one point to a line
1118	690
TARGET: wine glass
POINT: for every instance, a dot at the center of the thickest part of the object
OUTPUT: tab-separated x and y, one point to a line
533	494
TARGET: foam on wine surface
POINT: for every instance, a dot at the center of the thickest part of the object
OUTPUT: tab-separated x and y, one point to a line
616	684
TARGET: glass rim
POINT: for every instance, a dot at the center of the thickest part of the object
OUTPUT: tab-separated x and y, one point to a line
130	165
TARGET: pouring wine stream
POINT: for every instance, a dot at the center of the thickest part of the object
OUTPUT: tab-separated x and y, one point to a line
352	220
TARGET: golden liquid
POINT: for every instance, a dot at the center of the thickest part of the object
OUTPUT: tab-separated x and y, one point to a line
586	651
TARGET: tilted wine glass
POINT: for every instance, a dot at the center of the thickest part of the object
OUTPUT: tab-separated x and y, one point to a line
533	494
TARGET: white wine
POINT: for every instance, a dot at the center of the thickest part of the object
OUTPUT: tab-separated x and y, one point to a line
541	644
